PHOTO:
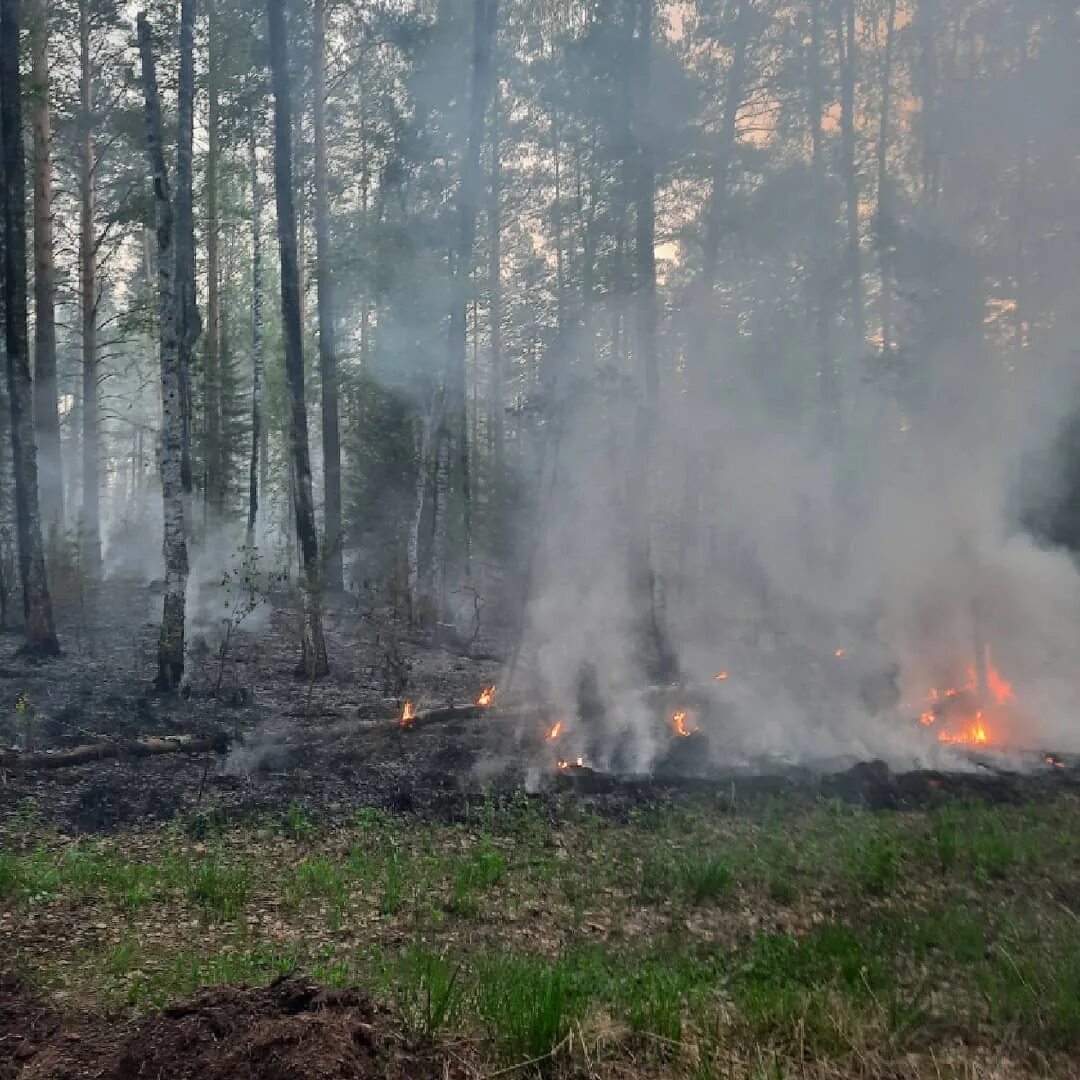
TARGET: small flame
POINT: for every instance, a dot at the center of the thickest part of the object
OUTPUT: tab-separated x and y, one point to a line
998	685
408	714
555	732
840	654
487	694
975	735
678	722
720	676
579	763
1055	761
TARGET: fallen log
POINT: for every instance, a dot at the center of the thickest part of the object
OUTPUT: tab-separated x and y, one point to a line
443	714
104	751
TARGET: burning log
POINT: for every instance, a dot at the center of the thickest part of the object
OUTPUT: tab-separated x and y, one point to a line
410	719
149	747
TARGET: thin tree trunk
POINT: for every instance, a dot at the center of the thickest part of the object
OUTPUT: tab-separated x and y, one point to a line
884	206
455	419
256	336
850	170
91	493
37	605
820	284
187	311
331	439
215	480
171	638
314	660
701	365
496	404
46	414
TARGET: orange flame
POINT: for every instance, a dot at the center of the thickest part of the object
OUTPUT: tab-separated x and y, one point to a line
840	654
555	732
997	684
1056	762
408	714
579	763
975	735
720	676
678	722
487	694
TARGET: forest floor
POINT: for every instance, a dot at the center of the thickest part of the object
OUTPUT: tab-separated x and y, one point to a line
337	897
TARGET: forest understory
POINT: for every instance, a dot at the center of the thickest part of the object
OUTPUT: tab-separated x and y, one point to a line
335	894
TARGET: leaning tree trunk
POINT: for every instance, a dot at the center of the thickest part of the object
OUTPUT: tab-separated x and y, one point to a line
90	526
46	416
171	639
496	402
187	311
331	439
314	661
256	336
37	605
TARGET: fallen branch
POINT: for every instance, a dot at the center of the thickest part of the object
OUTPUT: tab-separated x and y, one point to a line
444	713
103	751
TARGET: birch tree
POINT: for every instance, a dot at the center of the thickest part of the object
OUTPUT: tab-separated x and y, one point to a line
171	638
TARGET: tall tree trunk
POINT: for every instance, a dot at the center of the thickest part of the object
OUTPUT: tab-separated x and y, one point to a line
701	363
215	480
822	301
187	311
37	606
256	336
331	439
884	228
314	660
88	288
496	403
171	638
848	74
46	414
455	419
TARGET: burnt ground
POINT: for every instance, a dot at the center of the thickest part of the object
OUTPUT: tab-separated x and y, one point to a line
289	1030
332	746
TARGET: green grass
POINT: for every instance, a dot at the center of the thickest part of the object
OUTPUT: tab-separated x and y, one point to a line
790	933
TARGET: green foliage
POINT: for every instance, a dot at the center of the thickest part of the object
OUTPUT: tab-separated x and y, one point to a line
220	891
525	1005
429	992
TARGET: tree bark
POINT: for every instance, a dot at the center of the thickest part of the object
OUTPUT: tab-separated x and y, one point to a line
455	421
497	391
331	439
107	751
37	606
171	638
700	337
314	661
46	415
187	311
90	527
884	207
848	74
256	336
214	461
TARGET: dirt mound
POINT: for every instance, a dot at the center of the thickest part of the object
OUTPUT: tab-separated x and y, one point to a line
290	1030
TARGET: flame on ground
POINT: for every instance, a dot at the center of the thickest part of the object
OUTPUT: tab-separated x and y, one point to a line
678	723
487	695
720	676
554	732
577	763
408	714
840	654
961	712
